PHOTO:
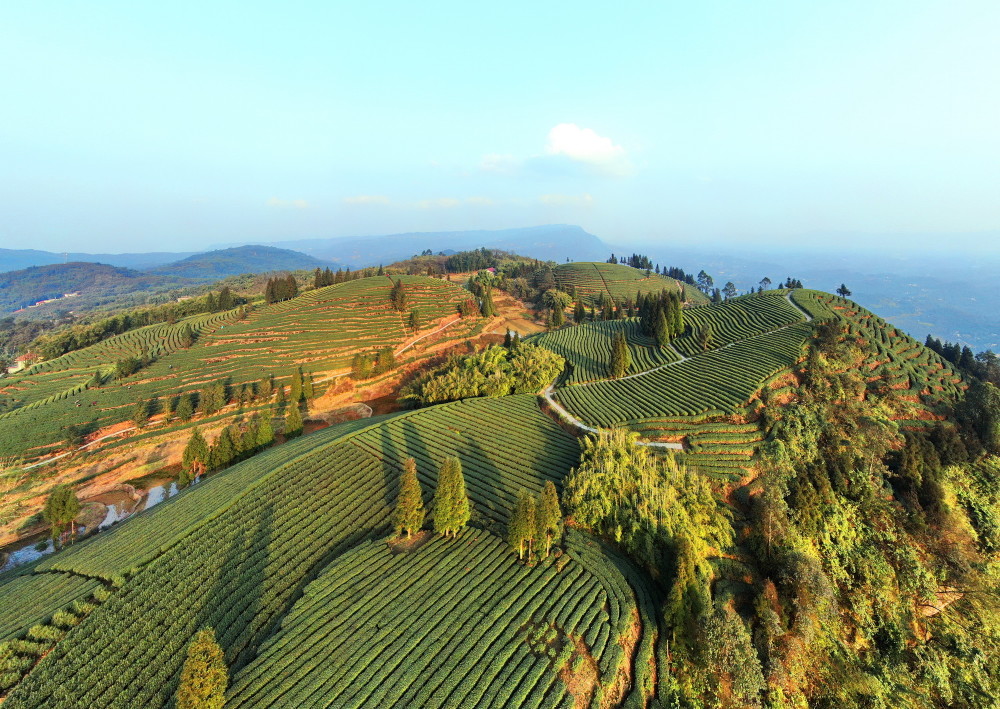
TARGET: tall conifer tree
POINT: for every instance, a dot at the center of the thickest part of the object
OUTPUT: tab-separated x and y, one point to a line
204	676
409	513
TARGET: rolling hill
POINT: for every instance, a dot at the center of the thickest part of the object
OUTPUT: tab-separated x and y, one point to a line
801	425
214	265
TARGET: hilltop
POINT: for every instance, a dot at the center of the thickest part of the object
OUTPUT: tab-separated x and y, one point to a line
213	265
86	281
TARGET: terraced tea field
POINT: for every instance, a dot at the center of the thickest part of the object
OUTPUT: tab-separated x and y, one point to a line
587	348
381	629
234	551
320	331
617	281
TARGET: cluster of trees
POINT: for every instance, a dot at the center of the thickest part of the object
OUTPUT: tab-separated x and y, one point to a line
60	511
452	508
661	316
234	443
365	365
984	365
865	567
481	287
536	524
665	516
495	371
639	261
279	289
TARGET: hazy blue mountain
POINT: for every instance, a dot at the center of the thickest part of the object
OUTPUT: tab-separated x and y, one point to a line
17	259
555	242
87	281
214	265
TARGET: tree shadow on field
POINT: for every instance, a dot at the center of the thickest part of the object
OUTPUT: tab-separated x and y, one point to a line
234	600
401	439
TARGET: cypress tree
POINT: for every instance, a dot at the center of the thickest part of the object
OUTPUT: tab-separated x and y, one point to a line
409	512
451	502
296	388
661	331
185	407
308	386
195	457
223	451
265	432
293	422
621	358
550	516
204	676
579	313
61	509
521	526
487	308
558	318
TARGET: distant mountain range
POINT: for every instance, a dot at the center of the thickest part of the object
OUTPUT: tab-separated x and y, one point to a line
551	242
83	285
947	297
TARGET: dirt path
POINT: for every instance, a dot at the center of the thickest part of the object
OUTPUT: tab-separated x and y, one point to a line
580	425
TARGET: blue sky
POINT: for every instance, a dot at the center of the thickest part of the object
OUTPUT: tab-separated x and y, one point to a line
170	126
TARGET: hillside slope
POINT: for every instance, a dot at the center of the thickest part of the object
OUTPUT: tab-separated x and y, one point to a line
20	289
593	280
321	331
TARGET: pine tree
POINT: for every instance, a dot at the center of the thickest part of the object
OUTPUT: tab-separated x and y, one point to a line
185	407
550	518
265	431
140	414
223	451
296	387
579	313
265	388
308	386
451	502
61	509
661	331
706	337
621	358
293	422
521	526
558	318
409	512
204	676
487	308
195	457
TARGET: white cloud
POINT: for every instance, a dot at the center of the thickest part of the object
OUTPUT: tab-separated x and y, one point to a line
287	203
480	201
585	146
569	150
566	200
442	203
501	164
367	199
